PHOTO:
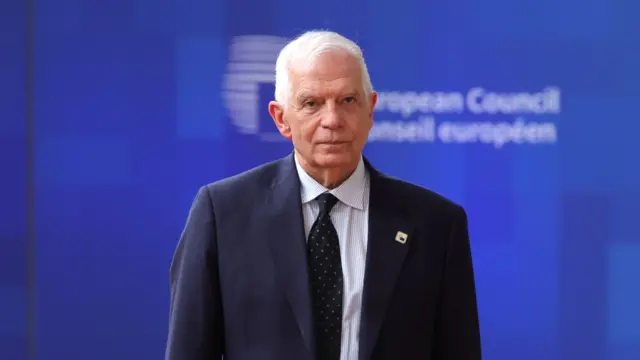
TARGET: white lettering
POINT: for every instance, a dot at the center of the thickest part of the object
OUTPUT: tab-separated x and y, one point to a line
408	103
498	134
480	101
477	100
400	131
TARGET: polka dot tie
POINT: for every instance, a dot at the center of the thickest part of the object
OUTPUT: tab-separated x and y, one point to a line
326	281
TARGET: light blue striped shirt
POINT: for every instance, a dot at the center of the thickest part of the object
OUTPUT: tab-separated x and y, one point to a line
350	216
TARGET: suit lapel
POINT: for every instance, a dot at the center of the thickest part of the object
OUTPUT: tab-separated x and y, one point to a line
385	257
288	246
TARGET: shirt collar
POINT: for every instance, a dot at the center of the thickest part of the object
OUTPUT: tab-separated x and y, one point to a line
351	192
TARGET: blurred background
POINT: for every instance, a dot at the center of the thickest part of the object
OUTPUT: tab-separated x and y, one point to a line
113	113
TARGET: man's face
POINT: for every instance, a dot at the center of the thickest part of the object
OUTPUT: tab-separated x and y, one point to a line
328	117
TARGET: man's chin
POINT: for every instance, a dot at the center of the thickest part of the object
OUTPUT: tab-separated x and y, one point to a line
334	159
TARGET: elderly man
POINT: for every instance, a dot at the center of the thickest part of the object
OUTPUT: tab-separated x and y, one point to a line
318	255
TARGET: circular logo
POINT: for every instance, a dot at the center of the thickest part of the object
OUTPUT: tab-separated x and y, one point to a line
252	60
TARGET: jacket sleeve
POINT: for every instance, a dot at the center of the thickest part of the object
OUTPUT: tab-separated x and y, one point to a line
195	316
457	331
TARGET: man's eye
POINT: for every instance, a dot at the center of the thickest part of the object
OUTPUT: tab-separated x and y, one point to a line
310	103
349	100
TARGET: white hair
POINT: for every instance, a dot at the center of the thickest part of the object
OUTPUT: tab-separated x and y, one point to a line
306	48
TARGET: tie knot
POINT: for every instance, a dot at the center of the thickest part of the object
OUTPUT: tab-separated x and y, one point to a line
326	202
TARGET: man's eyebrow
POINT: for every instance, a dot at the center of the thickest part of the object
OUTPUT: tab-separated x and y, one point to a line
342	93
304	95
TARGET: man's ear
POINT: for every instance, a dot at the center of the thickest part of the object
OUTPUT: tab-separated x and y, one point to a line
277	114
371	105
373	99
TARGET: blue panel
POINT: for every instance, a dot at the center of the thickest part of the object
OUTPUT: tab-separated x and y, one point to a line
201	17
184	17
13	187
13	181
532	20
89	161
583	164
13	147
13	311
154	16
201	65
60	16
624	294
624	351
13	257
585	227
625	215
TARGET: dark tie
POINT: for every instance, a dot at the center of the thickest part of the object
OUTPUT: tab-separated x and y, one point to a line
326	281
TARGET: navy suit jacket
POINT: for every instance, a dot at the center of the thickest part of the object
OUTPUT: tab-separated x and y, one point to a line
239	281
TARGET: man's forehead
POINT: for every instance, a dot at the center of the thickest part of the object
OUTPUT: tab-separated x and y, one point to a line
341	86
310	82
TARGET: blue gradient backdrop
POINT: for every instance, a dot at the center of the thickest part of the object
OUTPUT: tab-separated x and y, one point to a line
130	121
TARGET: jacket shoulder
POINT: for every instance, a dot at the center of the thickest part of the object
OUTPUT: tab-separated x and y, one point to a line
244	187
416	197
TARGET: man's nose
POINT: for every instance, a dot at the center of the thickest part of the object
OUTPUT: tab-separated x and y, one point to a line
331	116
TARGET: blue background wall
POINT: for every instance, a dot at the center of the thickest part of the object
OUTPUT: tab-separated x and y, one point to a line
114	113
14	279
